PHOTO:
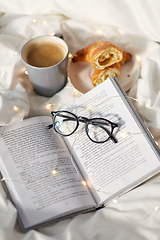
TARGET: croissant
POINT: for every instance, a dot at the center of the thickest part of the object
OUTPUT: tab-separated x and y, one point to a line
100	54
100	76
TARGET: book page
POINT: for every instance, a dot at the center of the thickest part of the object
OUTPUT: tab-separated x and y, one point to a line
39	172
110	168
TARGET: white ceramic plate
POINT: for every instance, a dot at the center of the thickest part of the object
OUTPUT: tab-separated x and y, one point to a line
80	74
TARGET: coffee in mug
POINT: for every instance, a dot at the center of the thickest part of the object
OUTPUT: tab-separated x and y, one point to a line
45	54
45	59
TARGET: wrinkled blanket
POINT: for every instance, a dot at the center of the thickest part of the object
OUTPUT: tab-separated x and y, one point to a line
134	27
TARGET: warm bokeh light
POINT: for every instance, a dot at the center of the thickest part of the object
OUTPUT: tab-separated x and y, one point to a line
138	58
44	22
69	55
99	31
84	183
54	171
48	105
156	208
15	108
123	134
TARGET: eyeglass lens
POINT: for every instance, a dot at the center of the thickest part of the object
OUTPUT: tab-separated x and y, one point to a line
65	123
99	130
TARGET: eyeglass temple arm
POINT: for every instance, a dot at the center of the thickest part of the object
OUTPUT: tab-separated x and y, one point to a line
113	138
49	126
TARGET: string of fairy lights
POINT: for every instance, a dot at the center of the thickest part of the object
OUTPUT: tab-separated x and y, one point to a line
50	106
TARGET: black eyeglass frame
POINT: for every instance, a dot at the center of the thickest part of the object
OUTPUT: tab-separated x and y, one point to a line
87	122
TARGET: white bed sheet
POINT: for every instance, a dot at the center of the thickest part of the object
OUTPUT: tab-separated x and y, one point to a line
134	26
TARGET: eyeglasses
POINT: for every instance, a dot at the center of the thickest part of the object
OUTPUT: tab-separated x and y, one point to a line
99	130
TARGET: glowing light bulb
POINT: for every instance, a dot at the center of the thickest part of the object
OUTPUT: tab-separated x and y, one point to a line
138	58
54	171
15	108
15	53
156	208
48	105
84	183
99	31
34	20
75	90
70	55
123	134
44	22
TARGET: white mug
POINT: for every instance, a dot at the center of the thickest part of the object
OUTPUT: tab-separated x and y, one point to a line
46	80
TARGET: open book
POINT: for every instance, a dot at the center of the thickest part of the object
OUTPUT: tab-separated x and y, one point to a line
49	177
